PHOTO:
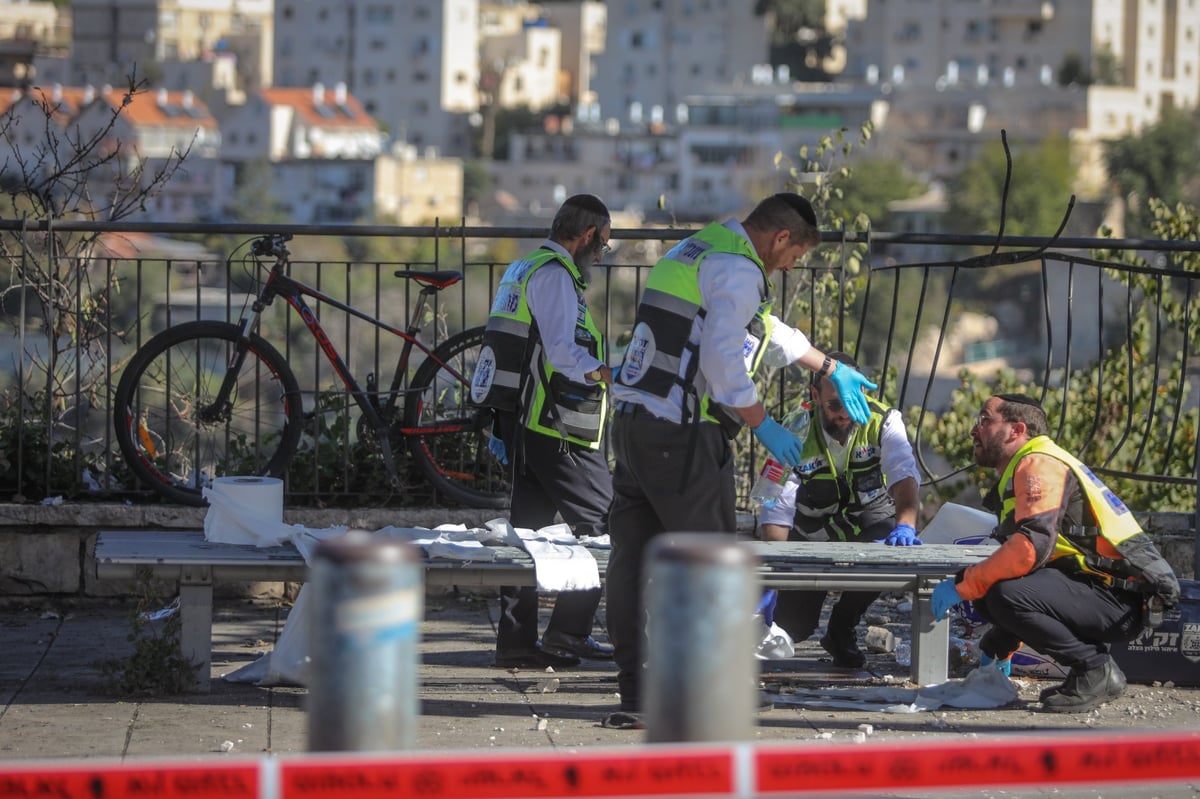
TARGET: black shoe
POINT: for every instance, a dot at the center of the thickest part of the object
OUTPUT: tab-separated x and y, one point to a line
577	646
533	658
624	720
1067	685
844	649
1091	689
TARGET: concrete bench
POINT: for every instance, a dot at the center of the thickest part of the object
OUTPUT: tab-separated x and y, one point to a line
196	564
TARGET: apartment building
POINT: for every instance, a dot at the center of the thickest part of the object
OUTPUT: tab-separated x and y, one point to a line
520	56
110	37
658	53
321	146
30	29
150	132
413	65
583	26
957	72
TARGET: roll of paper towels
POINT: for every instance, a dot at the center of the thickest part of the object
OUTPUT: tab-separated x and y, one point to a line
245	510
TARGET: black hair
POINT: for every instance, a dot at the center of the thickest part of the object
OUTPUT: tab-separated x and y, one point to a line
1027	410
786	211
576	215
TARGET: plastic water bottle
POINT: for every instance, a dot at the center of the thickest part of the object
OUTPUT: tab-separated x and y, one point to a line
768	487
903	653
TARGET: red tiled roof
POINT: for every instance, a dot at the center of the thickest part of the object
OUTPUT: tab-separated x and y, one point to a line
63	101
156	108
328	114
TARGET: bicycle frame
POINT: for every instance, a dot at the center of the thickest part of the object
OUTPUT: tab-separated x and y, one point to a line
293	292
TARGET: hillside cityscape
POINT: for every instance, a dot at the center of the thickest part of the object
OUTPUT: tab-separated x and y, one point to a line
405	112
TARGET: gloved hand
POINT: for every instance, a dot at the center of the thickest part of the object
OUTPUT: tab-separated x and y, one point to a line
496	447
850	383
782	443
945	596
1005	665
905	535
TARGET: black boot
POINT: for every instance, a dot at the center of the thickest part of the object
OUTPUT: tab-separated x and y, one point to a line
842	644
1090	689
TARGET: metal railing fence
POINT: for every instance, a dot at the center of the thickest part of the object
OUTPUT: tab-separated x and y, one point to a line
1104	331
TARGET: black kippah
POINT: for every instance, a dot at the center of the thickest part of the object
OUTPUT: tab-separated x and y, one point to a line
1020	399
588	202
800	206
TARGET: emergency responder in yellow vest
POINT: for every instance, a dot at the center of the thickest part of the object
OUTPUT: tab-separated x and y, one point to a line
542	369
1073	570
685	388
855	482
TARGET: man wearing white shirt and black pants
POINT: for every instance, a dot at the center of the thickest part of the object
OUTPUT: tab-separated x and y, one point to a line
856	482
686	387
542	368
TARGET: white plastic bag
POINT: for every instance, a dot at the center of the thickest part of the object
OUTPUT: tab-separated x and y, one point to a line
775	644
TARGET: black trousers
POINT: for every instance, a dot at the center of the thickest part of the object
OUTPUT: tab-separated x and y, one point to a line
799	612
550	477
1072	620
653	494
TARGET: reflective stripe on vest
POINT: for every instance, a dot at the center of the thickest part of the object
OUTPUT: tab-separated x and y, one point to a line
670	304
1115	521
512	354
817	467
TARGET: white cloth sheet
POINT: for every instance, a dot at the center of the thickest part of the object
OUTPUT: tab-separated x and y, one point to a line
561	565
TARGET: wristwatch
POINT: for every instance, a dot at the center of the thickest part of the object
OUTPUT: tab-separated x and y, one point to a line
595	376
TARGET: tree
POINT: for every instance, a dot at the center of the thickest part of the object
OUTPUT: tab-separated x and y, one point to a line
1042	176
799	38
870	186
1158	163
1104	411
66	172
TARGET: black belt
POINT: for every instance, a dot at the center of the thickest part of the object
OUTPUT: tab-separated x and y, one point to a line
625	407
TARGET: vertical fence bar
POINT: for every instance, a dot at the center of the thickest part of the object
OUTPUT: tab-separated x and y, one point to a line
703	678
368	601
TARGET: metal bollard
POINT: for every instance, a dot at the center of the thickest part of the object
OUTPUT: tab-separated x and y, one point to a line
702	679
368	602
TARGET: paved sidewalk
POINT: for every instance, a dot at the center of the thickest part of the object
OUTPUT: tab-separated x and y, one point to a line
52	706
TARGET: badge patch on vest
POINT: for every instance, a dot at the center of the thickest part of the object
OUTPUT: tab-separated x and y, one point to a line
485	373
508	299
640	354
688	251
1033	487
749	347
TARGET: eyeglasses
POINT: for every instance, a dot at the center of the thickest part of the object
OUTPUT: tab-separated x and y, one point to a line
983	420
605	248
833	405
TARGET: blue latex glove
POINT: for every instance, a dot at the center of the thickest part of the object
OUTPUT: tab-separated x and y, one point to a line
850	383
766	606
783	444
903	536
496	447
1005	665
945	596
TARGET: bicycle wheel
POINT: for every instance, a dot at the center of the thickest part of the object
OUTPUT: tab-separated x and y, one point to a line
446	433
172	436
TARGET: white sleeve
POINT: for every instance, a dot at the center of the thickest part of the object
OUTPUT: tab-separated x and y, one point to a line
553	302
729	285
896	458
784	511
787	345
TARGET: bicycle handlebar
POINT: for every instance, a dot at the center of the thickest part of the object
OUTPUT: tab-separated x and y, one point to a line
271	244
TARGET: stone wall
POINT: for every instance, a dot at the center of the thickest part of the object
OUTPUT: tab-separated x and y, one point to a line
46	550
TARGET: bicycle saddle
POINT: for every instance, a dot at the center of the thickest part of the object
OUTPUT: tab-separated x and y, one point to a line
438	280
